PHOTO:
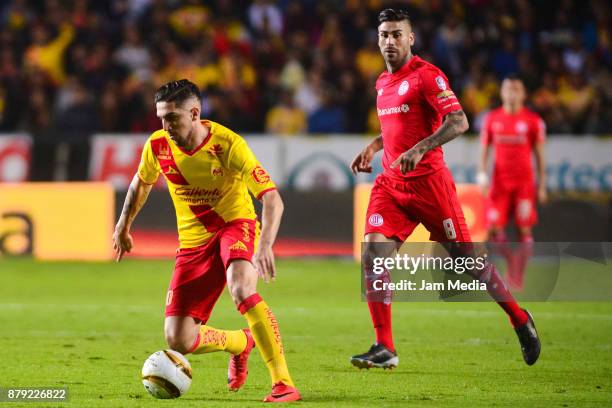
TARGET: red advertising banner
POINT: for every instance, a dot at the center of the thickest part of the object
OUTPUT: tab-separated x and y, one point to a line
15	158
115	159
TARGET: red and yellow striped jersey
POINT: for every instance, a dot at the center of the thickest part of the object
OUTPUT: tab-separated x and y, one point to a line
209	185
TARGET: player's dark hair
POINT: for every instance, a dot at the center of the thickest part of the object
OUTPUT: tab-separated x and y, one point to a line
393	15
177	92
513	76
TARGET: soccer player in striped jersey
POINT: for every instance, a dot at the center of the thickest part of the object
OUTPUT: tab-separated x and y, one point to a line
210	171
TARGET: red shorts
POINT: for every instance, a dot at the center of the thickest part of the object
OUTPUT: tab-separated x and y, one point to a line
199	273
505	200
397	207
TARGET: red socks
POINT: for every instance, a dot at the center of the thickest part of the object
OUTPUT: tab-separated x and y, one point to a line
381	319
499	292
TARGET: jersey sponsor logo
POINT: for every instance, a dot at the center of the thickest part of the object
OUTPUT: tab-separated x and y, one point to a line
260	175
376	220
510	139
441	82
403	108
445	95
162	151
196	195
238	246
403	88
217	171
216	150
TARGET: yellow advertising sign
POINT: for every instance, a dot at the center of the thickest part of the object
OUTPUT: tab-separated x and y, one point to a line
470	198
55	221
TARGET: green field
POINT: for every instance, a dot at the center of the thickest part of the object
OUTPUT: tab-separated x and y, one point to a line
90	326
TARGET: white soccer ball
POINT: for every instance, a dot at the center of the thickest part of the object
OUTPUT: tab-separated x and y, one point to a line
166	374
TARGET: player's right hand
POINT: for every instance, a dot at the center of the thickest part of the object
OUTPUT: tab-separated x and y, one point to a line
363	162
122	243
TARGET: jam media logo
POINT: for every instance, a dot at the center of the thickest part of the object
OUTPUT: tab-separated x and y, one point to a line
403	88
216	150
376	220
260	175
16	234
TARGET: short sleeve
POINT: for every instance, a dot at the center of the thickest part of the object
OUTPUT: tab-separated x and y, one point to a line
486	136
539	131
242	159
437	92
148	169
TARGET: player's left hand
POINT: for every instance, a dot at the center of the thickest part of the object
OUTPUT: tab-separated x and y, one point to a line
264	263
408	160
542	195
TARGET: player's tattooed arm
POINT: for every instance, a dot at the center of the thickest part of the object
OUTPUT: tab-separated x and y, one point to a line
363	161
137	195
455	123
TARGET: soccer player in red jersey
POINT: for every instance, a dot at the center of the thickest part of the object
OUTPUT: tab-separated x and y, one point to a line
418	113
517	134
210	171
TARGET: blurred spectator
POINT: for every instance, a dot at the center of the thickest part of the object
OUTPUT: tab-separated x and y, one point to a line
242	53
479	91
576	98
285	118
47	54
328	118
368	60
133	54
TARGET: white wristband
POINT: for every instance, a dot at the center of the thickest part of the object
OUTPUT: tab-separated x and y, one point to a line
482	179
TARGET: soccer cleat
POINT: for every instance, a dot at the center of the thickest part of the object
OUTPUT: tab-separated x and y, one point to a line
377	356
283	393
238	369
530	342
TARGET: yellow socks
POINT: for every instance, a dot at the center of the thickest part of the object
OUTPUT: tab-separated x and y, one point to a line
210	340
265	331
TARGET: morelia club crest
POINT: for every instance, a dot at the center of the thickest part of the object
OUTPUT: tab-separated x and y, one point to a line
403	88
260	175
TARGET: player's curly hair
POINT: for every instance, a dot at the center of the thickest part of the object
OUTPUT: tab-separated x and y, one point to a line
393	15
177	91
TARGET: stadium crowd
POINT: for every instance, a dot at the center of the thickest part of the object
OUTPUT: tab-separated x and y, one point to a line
75	67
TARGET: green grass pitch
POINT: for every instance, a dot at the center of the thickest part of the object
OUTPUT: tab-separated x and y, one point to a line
90	326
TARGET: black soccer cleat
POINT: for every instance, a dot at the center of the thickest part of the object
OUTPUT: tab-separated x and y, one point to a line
530	342
377	356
